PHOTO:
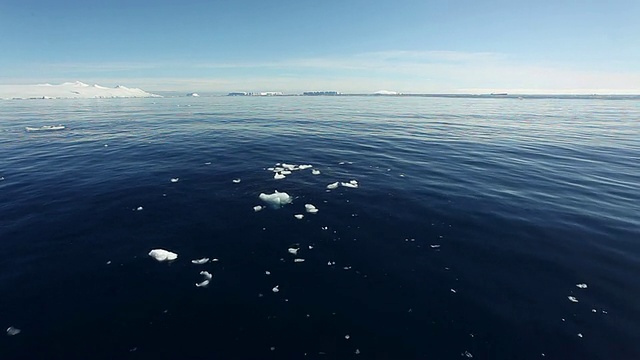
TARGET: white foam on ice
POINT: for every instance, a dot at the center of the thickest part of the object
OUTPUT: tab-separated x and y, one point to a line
276	200
163	255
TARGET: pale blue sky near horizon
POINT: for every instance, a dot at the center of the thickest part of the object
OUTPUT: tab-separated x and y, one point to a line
351	46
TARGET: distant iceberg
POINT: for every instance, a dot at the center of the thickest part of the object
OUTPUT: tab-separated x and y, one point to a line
69	90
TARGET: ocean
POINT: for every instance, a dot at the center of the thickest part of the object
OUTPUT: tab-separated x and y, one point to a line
484	228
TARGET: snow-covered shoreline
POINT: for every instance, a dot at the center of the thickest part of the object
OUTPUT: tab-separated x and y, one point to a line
69	90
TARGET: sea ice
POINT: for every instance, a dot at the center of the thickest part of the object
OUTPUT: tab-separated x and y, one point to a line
200	261
139	208
236	181
257	208
349	184
163	255
276	289
276	200
11	331
293	251
174	180
310	208
572	299
202	284
298	260
333	185
303	167
315	172
207	275
278	176
582	286
298	216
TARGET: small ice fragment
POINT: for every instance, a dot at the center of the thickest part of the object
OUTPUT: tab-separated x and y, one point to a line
285	172
288	166
347	268
11	331
236	181
434	246
347	337
162	255
303	167
453	291
174	180
293	251
273	348
298	216
333	185
278	176
275	289
208	163
594	310
214	260
276	200
353	182
315	172
139	208
311	209
202	284
579	335
467	354
298	260
581	286
267	272
310	247
257	208
349	185
109	262
200	261
357	352
207	275
572	299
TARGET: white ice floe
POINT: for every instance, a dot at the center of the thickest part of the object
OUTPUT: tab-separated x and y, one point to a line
453	291
581	286
315	172
214	260
278	176
293	251
303	167
11	331
298	216
572	299
579	335
310	208
347	337
267	272
289	166
174	180
257	208
276	289
203	283
351	184
236	181
276	200
435	246
285	172
200	261
333	185
207	275
163	255
310	247
139	208
298	260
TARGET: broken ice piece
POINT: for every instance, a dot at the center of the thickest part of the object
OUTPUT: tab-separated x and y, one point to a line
11	331
139	208
267	272
434	246
572	299
298	260
236	181
202	284
276	289
293	251
207	275
298	216
162	255
200	261
174	180
347	337
310	247
278	176
285	172
453	291
333	185
276	200
315	172
579	335
581	286
349	185
303	167
257	208
311	209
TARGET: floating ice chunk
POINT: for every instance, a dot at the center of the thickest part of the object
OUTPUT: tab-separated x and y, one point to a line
357	352
467	354
214	260
163	255
288	166
594	310
278	169
278	176
303	167
174	180
200	261
276	200
12	331
285	172
236	181
347	337
349	185
579	335
453	291
139	208
257	208
293	251
311	209
572	299
208	163
267	272
435	246
207	275
333	185
310	247
298	260
315	172
298	216
202	284
582	286
276	289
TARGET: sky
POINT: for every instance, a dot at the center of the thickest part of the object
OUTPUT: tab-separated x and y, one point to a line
352	46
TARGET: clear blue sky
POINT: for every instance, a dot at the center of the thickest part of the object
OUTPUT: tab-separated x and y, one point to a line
348	45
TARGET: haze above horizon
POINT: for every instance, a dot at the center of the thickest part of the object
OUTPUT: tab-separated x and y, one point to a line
411	46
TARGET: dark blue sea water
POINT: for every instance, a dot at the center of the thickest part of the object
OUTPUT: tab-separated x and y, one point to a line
473	222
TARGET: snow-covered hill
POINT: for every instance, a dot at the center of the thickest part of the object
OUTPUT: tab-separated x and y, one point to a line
69	90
